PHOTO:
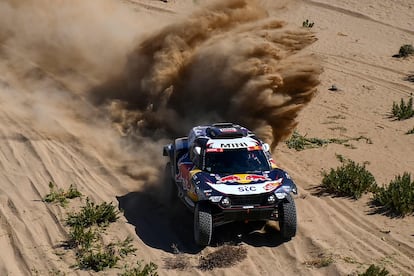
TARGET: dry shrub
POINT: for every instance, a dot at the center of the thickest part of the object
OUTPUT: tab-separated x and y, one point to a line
225	256
179	262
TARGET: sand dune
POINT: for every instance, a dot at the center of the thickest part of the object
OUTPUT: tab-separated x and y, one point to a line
91	90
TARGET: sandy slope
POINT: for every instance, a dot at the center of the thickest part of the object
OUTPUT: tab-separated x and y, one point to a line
50	135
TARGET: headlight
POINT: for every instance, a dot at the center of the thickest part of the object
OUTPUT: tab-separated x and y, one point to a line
225	202
215	198
280	195
286	189
271	199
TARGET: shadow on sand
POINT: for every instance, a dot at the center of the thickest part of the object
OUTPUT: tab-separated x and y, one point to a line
171	227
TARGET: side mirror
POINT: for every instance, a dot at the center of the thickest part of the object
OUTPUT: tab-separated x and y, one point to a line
166	150
197	150
266	147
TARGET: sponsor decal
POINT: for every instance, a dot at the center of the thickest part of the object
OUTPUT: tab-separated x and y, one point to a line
250	189
230	129
247	189
184	175
273	163
234	145
273	185
230	178
214	150
256	177
254	148
186	172
243	178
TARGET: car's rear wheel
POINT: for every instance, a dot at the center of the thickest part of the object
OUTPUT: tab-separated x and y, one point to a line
287	218
171	187
203	224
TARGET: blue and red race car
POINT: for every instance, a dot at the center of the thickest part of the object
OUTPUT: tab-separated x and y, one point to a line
224	173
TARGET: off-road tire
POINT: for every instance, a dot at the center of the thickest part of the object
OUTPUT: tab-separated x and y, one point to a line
203	224
287	218
170	186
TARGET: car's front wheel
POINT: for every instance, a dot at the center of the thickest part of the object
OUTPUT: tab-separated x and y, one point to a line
203	224
287	218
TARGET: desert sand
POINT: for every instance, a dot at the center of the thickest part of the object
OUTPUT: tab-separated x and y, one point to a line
90	91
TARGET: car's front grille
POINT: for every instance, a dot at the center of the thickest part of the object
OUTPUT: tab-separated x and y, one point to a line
248	200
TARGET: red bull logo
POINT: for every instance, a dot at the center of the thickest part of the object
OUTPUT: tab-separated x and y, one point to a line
230	178
243	178
255	177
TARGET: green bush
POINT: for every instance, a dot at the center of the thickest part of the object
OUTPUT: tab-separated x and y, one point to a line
97	260
300	142
321	261
86	227
84	234
82	237
307	24
85	231
91	214
125	247
59	195
411	131
403	110
398	197
374	270
72	192
148	270
351	179
406	50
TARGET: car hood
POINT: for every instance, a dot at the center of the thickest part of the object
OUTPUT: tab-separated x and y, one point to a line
242	184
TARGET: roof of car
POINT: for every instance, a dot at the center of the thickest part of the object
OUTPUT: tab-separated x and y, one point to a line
223	135
235	143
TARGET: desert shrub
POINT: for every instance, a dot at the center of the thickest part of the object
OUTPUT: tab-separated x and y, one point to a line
411	131
86	228
307	24
300	142
125	247
374	270
225	256
406	50
321	261
97	260
72	192
140	270
61	196
403	110
90	214
409	78
179	261
82	237
398	197
351	179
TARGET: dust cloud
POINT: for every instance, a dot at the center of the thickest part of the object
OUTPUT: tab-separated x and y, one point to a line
125	83
227	62
51	54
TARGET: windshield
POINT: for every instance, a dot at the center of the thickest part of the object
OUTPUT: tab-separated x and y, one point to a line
236	161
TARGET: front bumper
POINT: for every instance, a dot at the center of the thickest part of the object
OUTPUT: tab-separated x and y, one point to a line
246	208
246	213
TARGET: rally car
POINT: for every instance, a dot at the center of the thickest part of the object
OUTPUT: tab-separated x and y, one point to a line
224	173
